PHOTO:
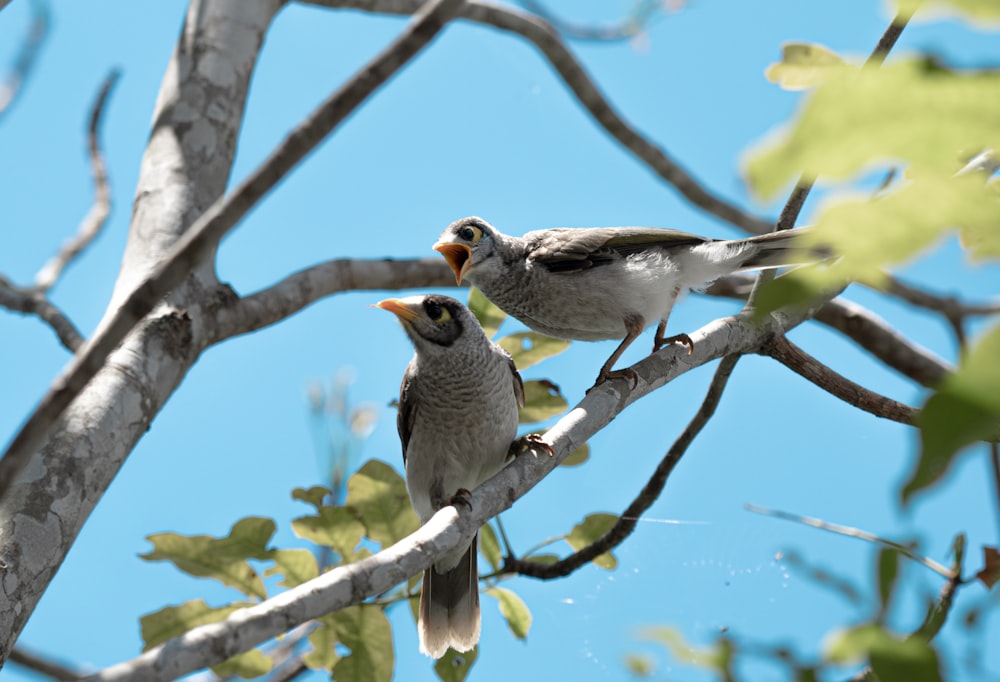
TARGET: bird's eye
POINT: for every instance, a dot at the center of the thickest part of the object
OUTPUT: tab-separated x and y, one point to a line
436	312
470	233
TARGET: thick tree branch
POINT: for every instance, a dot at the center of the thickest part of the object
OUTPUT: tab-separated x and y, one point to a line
34	302
548	42
95	219
803	364
206	232
626	523
26	58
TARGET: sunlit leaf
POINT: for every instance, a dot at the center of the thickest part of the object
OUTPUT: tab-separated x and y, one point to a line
248	665
543	558
883	115
804	65
323	655
639	665
297	565
335	527
892	659
223	559
313	495
577	457
489	316
455	666
174	621
588	531
365	630
990	573
489	546
966	408
530	348
976	11
711	657
378	495
542	400
514	610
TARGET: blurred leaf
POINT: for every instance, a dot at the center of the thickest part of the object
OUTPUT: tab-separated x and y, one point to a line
713	657
990	575
248	665
297	565
489	316
455	666
882	115
976	11
639	665
378	494
804	65
324	654
966	408
577	457
313	495
514	610
490	547
542	400
530	348
588	531
888	576
174	621
543	558
365	630
223	559
892	659
335	527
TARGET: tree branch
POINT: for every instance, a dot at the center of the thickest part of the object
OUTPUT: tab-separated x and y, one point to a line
626	523
27	56
628	27
95	219
44	665
208	229
548	42
33	302
803	364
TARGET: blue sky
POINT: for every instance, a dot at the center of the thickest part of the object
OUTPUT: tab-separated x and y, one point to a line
479	124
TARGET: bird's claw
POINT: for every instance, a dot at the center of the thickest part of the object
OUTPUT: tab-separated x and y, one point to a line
462	497
683	339
527	443
627	373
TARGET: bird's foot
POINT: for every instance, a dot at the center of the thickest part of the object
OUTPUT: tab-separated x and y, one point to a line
607	374
527	443
683	339
462	497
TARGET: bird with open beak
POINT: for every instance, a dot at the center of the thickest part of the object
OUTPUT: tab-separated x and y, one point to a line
592	284
458	416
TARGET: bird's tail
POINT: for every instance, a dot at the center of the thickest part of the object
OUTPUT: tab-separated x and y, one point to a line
449	607
775	250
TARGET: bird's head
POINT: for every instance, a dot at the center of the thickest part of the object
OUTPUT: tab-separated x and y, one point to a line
467	244
430	321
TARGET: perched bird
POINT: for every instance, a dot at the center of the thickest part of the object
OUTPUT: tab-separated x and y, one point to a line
457	420
592	284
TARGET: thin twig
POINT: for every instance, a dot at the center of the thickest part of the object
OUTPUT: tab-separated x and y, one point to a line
627	522
803	364
995	467
44	665
210	227
625	29
26	58
97	216
548	42
852	533
31	302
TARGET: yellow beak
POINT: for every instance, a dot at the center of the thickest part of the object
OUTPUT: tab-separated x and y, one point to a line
399	308
459	257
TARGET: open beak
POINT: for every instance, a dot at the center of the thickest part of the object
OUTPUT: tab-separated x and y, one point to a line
459	257
399	308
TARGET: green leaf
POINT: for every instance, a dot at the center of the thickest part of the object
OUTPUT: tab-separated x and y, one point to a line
378	495
248	665
577	457
975	11
335	527
888	576
892	659
489	546
588	531
907	111
323	655
639	665
714	657
365	630
313	495
489	316
297	565
514	610
455	666
543	558
542	400
530	348
174	621
223	559
966	408
804	65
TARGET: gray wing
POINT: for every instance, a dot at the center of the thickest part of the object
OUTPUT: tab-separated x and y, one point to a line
407	413
518	383
566	249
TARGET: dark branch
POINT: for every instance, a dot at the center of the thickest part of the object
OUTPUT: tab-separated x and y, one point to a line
26	58
210	227
803	364
651	491
949	306
32	302
44	665
95	219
